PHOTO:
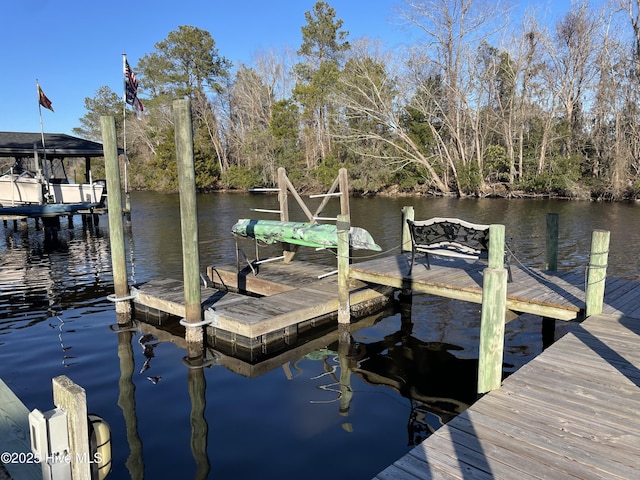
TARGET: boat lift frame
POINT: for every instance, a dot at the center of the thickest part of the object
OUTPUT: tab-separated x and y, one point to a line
339	188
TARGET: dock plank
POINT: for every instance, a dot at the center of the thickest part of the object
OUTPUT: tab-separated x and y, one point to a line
167	295
572	412
14	434
548	294
561	428
292	294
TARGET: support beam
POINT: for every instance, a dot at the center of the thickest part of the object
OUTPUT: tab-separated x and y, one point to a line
344	310
116	224
597	273
188	219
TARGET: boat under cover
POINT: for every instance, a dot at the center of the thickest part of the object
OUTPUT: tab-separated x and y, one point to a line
34	182
299	233
47	209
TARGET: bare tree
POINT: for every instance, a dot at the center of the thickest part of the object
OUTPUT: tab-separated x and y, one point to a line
454	31
573	67
371	119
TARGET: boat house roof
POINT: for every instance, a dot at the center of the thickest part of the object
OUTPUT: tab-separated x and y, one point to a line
58	145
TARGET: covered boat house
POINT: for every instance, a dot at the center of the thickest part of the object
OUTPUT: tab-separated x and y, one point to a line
19	145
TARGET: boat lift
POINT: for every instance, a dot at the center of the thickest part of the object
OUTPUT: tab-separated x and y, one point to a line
339	188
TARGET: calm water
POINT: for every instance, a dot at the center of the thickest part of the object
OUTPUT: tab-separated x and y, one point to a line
309	416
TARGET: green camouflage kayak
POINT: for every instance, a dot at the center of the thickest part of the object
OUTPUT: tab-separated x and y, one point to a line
307	234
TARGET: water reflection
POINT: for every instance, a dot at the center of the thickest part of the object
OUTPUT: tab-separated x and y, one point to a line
420	371
196	385
127	402
42	277
390	371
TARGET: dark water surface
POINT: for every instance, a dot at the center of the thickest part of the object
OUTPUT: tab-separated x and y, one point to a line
311	417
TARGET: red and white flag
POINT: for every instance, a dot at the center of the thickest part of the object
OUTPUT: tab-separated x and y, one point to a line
43	100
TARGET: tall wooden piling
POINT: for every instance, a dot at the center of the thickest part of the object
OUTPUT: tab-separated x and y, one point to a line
597	273
188	219
344	310
407	214
116	225
343	183
283	198
552	241
494	309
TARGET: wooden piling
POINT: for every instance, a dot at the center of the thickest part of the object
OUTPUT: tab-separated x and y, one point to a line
407	214
496	246
494	310
283	198
343	182
552	241
344	310
114	203
72	399
188	219
597	273
289	250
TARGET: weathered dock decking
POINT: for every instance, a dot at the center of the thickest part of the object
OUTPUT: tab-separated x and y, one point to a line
572	412
293	294
557	295
15	438
296	292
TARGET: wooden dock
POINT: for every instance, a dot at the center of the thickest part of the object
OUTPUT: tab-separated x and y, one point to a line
282	300
292	291
279	299
572	412
558	295
15	437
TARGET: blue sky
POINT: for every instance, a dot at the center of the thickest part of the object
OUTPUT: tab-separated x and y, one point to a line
75	47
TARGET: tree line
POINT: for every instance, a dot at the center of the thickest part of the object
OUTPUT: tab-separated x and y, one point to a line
477	105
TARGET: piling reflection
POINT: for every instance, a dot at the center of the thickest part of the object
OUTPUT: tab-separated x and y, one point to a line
195	362
199	428
435	382
127	400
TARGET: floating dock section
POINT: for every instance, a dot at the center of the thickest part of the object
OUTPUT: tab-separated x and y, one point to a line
558	295
273	305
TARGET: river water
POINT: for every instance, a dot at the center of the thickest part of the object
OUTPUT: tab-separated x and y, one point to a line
305	418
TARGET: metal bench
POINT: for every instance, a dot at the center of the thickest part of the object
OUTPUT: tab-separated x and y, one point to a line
450	237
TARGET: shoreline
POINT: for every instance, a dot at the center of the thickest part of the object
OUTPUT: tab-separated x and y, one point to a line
515	195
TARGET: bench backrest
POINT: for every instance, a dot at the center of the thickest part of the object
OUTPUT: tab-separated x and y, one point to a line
450	236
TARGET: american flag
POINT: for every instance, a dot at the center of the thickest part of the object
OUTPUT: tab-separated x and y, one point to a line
130	84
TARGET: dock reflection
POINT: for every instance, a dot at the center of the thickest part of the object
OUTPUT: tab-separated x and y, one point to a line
436	384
